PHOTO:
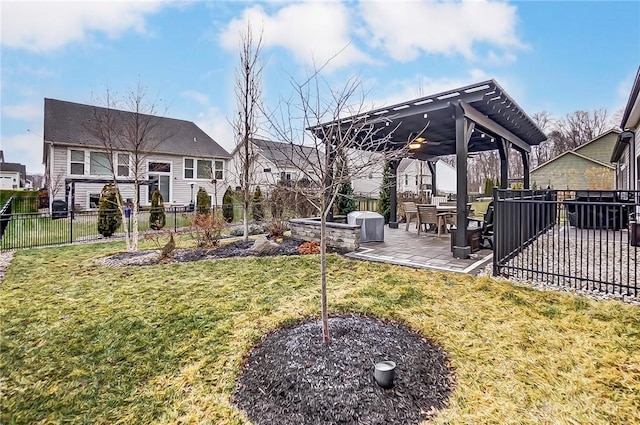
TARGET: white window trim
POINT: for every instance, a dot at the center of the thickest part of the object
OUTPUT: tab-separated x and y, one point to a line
130	165
87	163
195	169
143	199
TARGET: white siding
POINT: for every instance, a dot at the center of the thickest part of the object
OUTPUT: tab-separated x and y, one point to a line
179	190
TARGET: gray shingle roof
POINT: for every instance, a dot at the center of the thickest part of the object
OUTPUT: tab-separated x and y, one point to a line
286	154
70	123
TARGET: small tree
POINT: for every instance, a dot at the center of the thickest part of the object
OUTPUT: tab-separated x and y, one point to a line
203	202
109	218
346	204
157	218
384	201
227	205
488	186
257	205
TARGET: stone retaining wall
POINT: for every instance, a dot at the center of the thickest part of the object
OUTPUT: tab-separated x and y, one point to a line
339	235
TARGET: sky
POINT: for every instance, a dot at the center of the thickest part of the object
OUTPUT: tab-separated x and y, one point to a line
555	56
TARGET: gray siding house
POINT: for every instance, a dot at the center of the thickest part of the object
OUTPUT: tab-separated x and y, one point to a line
626	152
183	159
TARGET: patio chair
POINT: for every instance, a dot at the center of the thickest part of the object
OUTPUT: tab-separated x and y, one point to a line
427	216
486	224
410	213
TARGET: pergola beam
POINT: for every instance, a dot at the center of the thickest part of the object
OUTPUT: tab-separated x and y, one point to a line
483	121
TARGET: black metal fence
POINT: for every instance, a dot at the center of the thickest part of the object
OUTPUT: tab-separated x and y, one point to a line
586	240
5	216
28	230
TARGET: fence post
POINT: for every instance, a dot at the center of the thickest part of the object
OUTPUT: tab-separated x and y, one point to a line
175	219
496	270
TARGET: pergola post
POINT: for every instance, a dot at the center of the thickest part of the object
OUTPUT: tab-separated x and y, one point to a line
526	164
393	194
464	129
503	151
432	169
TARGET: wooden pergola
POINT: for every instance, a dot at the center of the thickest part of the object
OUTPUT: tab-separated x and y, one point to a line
475	118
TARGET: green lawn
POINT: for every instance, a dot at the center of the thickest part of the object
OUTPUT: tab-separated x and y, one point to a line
82	343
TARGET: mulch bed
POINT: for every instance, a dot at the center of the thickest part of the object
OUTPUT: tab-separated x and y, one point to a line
238	248
292	377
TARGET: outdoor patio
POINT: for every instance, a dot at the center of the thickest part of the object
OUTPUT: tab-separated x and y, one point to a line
424	251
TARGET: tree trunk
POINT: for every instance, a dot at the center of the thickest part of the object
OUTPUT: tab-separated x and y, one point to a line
323	277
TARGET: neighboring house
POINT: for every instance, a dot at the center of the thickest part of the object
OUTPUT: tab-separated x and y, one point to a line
415	176
274	162
626	152
12	175
184	157
586	167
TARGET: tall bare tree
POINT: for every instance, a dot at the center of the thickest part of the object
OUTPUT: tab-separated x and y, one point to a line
323	108
128	137
248	91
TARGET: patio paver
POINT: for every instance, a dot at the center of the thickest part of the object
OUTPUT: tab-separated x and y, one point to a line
427	251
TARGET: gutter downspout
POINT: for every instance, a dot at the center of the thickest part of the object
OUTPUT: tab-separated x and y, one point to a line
628	137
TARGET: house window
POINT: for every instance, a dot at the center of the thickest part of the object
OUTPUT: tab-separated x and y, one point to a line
406	180
267	170
159	167
285	176
219	175
77	162
99	164
188	168
416	180
202	169
94	200
123	165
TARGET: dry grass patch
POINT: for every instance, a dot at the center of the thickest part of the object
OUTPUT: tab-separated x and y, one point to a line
82	343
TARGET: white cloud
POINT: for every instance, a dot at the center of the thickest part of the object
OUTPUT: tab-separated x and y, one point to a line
216	125
45	26
315	32
24	111
405	90
201	98
405	29
25	149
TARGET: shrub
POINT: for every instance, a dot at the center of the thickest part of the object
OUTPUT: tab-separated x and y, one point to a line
384	201
157	218
309	248
203	202
277	227
257	209
109	218
206	229
227	205
346	204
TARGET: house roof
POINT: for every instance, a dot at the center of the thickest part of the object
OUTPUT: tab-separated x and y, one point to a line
632	108
576	150
13	166
285	154
69	123
597	138
633	100
495	113
573	152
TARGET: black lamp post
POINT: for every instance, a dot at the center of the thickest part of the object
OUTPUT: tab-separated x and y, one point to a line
191	204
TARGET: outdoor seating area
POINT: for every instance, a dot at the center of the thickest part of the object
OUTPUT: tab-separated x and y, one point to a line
424	251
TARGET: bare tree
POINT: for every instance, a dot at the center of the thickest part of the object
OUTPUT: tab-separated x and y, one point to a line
248	98
128	138
322	108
